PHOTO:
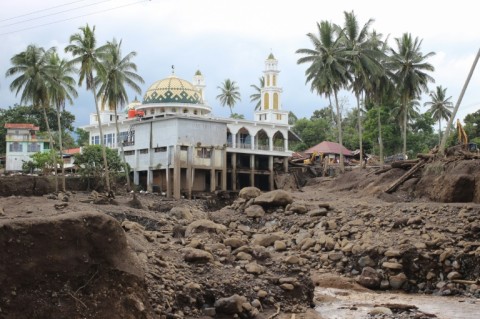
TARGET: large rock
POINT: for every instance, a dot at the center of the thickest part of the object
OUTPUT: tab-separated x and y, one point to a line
255	211
231	305
369	278
249	192
204	225
277	197
194	255
266	240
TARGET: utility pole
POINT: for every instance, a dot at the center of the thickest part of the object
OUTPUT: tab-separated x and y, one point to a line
454	113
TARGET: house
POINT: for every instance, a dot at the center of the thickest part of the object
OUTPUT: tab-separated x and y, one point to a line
175	145
328	149
22	142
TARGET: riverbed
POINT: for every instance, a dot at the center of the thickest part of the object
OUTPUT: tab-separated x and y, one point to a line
334	303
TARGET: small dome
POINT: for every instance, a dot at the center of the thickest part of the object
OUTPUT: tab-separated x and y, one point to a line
198	72
271	57
172	90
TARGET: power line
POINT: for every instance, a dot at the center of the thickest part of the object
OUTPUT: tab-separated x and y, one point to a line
52	14
41	10
72	18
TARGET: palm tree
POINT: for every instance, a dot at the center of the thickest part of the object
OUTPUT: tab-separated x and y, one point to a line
363	60
409	71
83	46
33	79
119	73
61	89
440	107
257	96
230	94
327	71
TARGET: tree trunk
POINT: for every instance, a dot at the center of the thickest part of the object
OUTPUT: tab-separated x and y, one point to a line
125	166
405	111
340	137
439	132
102	144
359	116
52	148
380	141
60	147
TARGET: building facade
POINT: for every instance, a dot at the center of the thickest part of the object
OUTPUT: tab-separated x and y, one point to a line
174	144
22	142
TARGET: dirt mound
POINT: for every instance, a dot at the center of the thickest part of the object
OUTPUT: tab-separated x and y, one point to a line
74	265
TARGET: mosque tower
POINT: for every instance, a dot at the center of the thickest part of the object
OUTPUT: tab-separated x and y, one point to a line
271	107
199	84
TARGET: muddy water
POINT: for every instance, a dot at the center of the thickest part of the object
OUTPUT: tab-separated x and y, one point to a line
348	304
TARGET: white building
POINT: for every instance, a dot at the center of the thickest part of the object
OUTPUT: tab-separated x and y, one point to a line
174	144
22	142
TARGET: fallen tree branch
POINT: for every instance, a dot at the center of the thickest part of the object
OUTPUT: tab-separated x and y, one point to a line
276	313
405	176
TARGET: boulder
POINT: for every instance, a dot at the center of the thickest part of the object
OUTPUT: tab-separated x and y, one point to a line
204	225
230	305
249	192
255	211
369	278
194	255
274	198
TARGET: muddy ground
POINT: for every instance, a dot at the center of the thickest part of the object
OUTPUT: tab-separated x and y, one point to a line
256	255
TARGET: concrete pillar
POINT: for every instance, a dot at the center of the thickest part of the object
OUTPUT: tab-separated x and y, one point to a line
234	171
176	172
213	176
149	180
224	169
252	170
234	140
270	169
136	178
253	142
168	180
189	170
285	164
285	144
270	143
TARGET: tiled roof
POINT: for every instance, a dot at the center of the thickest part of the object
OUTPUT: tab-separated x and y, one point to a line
21	126
329	148
72	150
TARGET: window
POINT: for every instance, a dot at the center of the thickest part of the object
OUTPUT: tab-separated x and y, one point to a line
185	110
33	147
152	111
183	148
122	136
108	139
129	153
160	149
144	151
16	147
95	140
279	117
204	152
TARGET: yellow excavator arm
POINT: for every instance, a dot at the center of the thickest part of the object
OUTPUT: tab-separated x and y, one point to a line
462	135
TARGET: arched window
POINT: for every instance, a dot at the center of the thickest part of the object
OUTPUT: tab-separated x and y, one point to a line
266	101
274	80
268	80
275	101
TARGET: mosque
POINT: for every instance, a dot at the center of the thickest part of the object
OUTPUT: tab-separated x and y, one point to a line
174	145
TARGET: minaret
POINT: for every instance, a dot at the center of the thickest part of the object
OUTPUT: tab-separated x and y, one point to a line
199	84
271	107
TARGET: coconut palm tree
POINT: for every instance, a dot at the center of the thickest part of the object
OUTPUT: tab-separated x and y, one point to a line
327	70
119	74
364	60
409	69
32	67
61	89
257	96
230	94
440	107
83	47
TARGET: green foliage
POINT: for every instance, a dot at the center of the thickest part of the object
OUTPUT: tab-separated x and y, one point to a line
82	137
40	161
237	116
472	125
91	166
311	132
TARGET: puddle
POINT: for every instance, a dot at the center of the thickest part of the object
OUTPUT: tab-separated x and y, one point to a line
348	304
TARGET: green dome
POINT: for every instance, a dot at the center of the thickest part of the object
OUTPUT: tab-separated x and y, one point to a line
172	90
271	57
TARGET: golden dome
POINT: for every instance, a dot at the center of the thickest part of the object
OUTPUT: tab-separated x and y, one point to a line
172	90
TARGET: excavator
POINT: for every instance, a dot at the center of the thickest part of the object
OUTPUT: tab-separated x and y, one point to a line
311	159
463	138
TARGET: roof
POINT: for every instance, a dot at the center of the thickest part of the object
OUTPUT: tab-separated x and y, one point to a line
20	126
72	150
172	90
329	148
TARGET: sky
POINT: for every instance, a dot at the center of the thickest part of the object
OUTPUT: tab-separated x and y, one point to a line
231	39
